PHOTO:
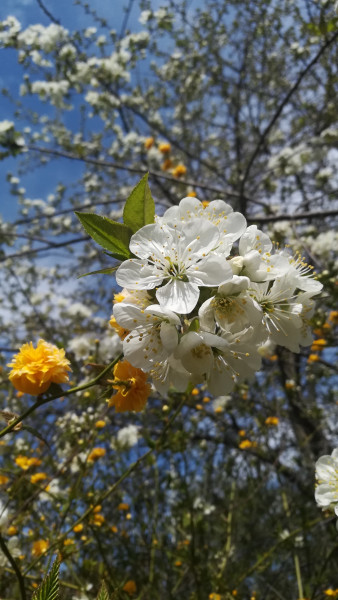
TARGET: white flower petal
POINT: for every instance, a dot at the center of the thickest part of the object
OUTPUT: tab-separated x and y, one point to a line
129	316
135	274
169	336
211	271
325	494
164	313
178	296
149	240
326	469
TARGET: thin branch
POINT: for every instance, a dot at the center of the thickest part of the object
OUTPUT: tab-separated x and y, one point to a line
38	250
13	563
114	165
41	401
47	13
282	106
294	217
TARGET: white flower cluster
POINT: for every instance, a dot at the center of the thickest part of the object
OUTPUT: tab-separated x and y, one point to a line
203	292
327	481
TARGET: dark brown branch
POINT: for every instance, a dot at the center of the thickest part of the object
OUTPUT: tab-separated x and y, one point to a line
294	217
13	563
51	247
281	108
47	13
114	165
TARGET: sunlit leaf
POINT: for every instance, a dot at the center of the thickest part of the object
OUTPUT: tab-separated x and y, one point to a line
139	209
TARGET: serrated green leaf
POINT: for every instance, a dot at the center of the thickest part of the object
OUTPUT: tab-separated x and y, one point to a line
104	271
117	255
49	588
139	209
103	593
109	234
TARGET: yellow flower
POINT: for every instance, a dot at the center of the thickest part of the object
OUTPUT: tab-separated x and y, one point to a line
132	386
331	592
178	563
12	530
242	433
100	424
195	392
273	421
38	477
214	597
167	164
98	519
24	462
179	170
95	454
123	506
34	369
78	528
114	529
130	587
149	143
333	317
121	331
312	358
68	542
3	479
165	147
318	345
245	444
39	547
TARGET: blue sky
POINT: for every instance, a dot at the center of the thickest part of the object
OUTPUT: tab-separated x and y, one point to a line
42	181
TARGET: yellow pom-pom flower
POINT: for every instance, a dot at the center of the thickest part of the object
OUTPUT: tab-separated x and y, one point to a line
130	587
132	386
96	453
39	547
34	369
164	147
179	170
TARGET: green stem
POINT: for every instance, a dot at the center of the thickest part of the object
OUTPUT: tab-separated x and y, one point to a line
112	488
43	401
298	576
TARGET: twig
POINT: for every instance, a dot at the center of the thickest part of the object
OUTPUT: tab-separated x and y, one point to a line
281	108
114	165
47	13
12	561
43	401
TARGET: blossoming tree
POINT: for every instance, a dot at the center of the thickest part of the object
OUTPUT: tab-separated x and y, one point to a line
168	317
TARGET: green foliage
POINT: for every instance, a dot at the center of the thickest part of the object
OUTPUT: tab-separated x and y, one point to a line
103	592
107	271
49	589
109	234
139	209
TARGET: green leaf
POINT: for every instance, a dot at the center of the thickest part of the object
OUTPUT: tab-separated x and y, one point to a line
109	234
139	209
104	271
103	593
49	588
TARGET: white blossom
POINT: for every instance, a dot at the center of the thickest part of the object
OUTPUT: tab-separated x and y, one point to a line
326	493
179	256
